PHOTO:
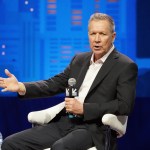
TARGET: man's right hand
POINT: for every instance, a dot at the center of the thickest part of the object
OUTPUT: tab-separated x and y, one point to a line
11	84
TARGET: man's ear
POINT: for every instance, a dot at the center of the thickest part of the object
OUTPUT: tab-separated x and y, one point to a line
114	37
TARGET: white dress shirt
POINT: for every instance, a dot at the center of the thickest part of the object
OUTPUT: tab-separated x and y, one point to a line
91	75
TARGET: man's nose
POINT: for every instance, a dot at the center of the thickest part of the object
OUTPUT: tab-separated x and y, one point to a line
97	38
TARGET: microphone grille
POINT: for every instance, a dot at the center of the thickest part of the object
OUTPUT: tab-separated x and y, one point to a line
72	81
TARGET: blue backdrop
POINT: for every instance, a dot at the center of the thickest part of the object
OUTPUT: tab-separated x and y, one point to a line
39	37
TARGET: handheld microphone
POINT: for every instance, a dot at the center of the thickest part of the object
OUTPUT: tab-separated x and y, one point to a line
71	92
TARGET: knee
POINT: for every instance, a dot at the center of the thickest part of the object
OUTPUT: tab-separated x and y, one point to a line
58	145
8	143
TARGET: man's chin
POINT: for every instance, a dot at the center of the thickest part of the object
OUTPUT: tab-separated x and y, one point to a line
98	54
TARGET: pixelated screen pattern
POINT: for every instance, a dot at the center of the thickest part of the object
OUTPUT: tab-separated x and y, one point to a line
38	38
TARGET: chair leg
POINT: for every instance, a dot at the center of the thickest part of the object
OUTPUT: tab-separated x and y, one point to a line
107	137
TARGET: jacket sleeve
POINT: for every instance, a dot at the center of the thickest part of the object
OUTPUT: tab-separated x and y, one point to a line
49	87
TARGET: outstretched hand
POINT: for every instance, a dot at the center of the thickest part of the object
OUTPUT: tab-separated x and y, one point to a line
9	84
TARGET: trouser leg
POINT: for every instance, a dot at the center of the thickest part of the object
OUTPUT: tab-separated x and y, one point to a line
36	138
79	139
41	137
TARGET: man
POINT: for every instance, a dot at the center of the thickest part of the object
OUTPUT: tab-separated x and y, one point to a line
106	80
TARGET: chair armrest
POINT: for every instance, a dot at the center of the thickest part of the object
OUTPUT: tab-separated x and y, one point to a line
117	123
46	115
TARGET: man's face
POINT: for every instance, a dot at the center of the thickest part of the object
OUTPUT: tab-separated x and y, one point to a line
100	37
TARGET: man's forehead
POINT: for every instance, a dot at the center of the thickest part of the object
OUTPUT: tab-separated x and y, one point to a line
99	25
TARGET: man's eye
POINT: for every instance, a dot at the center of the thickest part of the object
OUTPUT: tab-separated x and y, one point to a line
103	34
92	33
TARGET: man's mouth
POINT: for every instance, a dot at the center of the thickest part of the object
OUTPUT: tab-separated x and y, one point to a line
96	47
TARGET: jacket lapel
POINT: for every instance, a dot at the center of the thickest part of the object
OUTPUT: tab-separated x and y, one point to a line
83	71
106	67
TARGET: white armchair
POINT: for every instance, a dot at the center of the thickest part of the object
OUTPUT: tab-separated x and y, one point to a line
117	123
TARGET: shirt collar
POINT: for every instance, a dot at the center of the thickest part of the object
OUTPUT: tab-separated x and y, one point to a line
102	60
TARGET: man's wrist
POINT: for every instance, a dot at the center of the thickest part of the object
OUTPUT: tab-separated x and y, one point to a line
22	89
